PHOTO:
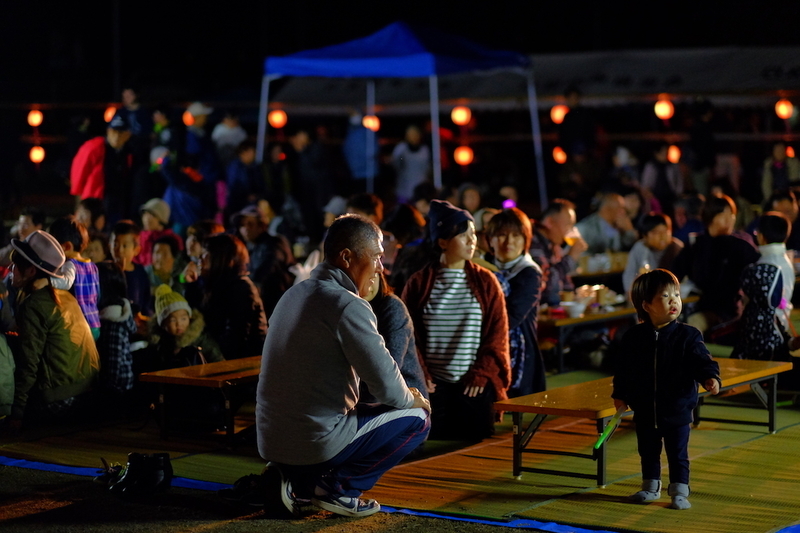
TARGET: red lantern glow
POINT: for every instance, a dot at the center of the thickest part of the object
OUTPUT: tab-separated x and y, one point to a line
35	118
664	109
559	155
789	151
784	108
463	155
461	115
371	122
673	154
109	113
277	119
36	154
558	112
188	118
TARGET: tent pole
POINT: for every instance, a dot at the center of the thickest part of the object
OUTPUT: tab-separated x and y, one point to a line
262	118
370	152
537	140
437	153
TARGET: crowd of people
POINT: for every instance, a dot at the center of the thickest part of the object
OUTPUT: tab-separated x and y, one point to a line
182	249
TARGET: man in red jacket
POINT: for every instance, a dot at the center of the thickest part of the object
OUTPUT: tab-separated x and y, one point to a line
101	158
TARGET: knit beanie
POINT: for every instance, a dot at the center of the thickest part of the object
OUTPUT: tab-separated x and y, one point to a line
169	301
443	216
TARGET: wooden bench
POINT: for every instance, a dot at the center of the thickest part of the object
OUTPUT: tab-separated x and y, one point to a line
592	400
223	375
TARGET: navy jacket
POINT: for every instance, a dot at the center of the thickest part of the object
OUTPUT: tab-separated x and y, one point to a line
659	371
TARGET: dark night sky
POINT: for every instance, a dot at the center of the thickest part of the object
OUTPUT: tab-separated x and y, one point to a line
56	52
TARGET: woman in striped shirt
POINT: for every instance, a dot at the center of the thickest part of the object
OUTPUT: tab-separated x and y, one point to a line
461	329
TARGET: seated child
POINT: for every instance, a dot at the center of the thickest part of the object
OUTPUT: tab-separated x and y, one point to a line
178	339
661	362
79	275
116	327
178	333
155	221
656	249
56	358
773	228
762	336
92	214
97	249
166	266
124	247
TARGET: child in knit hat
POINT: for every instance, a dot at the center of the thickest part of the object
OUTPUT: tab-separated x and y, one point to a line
177	333
177	339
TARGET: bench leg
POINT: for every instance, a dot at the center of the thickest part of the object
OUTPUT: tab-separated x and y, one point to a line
600	453
773	401
163	411
516	447
230	426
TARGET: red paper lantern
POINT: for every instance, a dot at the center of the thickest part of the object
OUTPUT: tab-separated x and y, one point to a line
664	109
784	108
789	151
277	119
36	154
109	113
673	154
35	118
371	122
559	155
463	155
461	115
558	112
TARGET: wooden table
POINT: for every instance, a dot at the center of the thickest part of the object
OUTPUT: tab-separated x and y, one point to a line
592	400
565	326
223	375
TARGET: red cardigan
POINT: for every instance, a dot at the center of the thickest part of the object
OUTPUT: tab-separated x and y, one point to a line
492	362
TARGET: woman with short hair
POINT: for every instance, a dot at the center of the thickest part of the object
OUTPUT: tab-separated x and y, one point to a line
509	234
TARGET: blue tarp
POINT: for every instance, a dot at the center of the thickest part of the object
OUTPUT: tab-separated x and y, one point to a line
397	51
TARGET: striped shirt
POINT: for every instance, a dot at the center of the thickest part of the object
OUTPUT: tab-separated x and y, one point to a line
453	319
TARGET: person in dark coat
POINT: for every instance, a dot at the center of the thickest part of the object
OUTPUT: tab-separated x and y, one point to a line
397	330
509	233
227	298
714	264
662	361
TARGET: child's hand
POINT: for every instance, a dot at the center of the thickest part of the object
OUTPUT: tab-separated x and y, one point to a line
711	385
190	273
619	403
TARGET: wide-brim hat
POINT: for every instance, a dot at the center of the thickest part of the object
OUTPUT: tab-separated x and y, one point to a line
43	251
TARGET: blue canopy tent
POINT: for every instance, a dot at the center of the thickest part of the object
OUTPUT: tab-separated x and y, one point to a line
402	51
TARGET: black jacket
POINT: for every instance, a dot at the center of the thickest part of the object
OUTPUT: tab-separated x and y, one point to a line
659	371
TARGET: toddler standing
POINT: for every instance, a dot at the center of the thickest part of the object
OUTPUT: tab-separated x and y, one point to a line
661	363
